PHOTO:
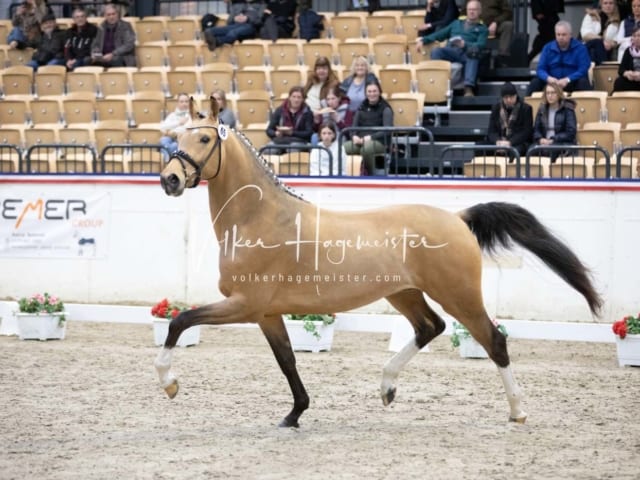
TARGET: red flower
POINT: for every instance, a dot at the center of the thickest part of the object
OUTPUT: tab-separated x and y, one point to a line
175	312
168	310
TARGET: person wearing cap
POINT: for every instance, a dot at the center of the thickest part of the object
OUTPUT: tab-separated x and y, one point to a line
50	49
511	121
115	42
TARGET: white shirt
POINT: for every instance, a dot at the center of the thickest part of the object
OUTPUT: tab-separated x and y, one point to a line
319	160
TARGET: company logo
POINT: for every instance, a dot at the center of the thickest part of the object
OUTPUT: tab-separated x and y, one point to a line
53	209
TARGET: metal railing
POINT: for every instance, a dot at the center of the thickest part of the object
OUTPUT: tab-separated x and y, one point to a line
8	153
59	158
295	159
132	158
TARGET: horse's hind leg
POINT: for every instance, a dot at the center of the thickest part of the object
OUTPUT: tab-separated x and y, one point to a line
427	325
276	334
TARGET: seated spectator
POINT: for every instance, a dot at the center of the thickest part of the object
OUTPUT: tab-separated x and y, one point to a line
80	36
564	61
310	23
497	15
278	19
225	115
556	122
511	121
318	84
291	122
353	85
50	49
623	38
176	123
114	45
319	163
599	30
629	69
438	14
26	27
466	39
335	108
242	24
373	112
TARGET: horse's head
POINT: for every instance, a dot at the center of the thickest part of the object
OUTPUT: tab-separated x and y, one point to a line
199	153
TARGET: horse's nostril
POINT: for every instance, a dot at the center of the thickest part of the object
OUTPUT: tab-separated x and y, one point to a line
173	180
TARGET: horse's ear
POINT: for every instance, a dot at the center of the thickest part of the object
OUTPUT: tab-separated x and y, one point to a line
192	109
215	108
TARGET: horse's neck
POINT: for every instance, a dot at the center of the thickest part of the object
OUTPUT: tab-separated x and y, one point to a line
246	193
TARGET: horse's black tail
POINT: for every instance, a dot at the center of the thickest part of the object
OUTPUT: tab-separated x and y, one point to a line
497	223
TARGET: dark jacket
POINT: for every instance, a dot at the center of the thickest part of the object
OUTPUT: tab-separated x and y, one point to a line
498	11
79	40
573	63
565	123
547	7
627	63
378	115
50	48
301	123
521	126
124	39
440	16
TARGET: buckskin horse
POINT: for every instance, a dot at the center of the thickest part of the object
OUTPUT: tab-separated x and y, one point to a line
311	260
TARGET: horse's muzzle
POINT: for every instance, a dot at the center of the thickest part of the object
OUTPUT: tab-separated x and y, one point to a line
171	184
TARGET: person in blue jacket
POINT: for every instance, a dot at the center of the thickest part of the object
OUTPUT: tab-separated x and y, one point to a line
564	61
465	40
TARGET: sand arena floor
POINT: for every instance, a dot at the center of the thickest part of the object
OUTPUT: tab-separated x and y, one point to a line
90	407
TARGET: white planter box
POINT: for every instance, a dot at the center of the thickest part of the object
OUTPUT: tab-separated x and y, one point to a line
628	350
41	326
469	348
301	340
191	336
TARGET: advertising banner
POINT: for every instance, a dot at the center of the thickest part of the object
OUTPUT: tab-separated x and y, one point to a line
34	223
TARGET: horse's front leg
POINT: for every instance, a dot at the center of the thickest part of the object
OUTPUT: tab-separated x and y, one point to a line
278	338
230	310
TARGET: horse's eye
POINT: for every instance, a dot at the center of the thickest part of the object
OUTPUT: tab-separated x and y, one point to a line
205	139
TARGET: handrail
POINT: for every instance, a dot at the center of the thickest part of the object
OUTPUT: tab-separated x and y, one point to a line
510	153
17	149
561	150
298	147
59	148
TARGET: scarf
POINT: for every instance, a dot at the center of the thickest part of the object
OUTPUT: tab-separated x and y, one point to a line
635	52
507	118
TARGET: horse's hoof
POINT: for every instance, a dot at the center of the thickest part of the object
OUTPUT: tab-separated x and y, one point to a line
285	423
521	419
172	389
389	396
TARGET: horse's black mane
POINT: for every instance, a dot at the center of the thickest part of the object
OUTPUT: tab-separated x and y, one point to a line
262	162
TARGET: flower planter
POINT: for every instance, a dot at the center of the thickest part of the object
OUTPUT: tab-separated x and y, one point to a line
41	326
470	348
628	350
303	341
191	336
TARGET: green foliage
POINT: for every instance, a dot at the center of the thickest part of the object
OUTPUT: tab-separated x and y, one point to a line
310	318
460	331
41	303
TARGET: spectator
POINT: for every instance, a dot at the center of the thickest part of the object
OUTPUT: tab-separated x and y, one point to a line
497	15
373	112
599	30
310	23
291	122
511	121
556	122
626	29
242	24
175	123
629	69
50	49
319	162
564	61
335	108
353	85
225	115
278	20
545	12
114	45
438	14
320	81
80	36
466	39
26	27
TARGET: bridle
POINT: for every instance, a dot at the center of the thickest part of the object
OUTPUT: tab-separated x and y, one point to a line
184	158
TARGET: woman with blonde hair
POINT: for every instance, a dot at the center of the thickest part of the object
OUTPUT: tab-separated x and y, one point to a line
353	86
225	114
556	122
599	30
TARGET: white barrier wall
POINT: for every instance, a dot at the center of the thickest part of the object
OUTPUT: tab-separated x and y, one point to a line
121	240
